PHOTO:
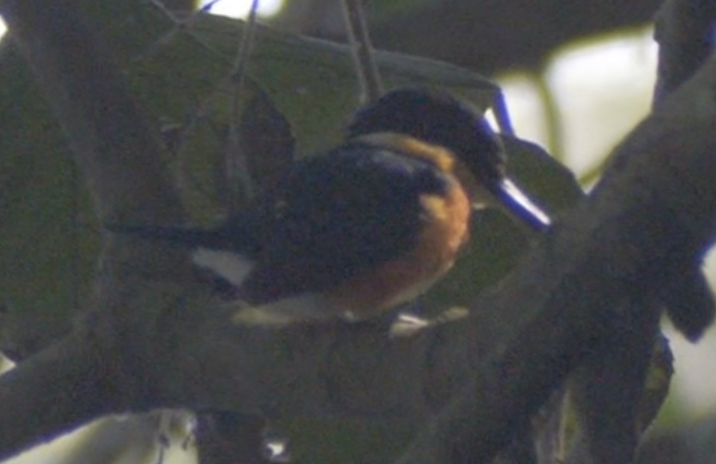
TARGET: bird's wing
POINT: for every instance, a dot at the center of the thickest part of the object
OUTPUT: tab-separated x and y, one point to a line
335	216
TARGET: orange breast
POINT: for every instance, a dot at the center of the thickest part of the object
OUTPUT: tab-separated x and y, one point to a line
444	231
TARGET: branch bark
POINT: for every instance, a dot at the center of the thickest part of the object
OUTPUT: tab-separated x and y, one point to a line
597	271
91	372
684	31
59	389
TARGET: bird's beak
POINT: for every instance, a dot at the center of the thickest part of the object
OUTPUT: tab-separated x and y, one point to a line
518	205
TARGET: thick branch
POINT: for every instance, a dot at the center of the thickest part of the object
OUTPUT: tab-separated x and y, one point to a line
656	205
111	141
684	31
484	35
62	388
120	159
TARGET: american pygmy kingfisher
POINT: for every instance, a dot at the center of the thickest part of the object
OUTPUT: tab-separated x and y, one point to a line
371	223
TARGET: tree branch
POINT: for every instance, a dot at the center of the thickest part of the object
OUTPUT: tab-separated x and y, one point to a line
119	157
597	270
684	31
471	33
113	146
54	392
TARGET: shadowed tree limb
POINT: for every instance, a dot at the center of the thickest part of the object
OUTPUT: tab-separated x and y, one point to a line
598	269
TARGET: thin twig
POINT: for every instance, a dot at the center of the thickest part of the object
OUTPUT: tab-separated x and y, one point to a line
362	51
181	24
237	180
237	166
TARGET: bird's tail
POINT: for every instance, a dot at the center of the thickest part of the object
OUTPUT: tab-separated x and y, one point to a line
179	236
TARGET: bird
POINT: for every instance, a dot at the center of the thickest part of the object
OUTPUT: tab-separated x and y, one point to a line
368	225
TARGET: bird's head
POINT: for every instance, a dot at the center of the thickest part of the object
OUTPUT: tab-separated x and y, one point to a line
438	118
